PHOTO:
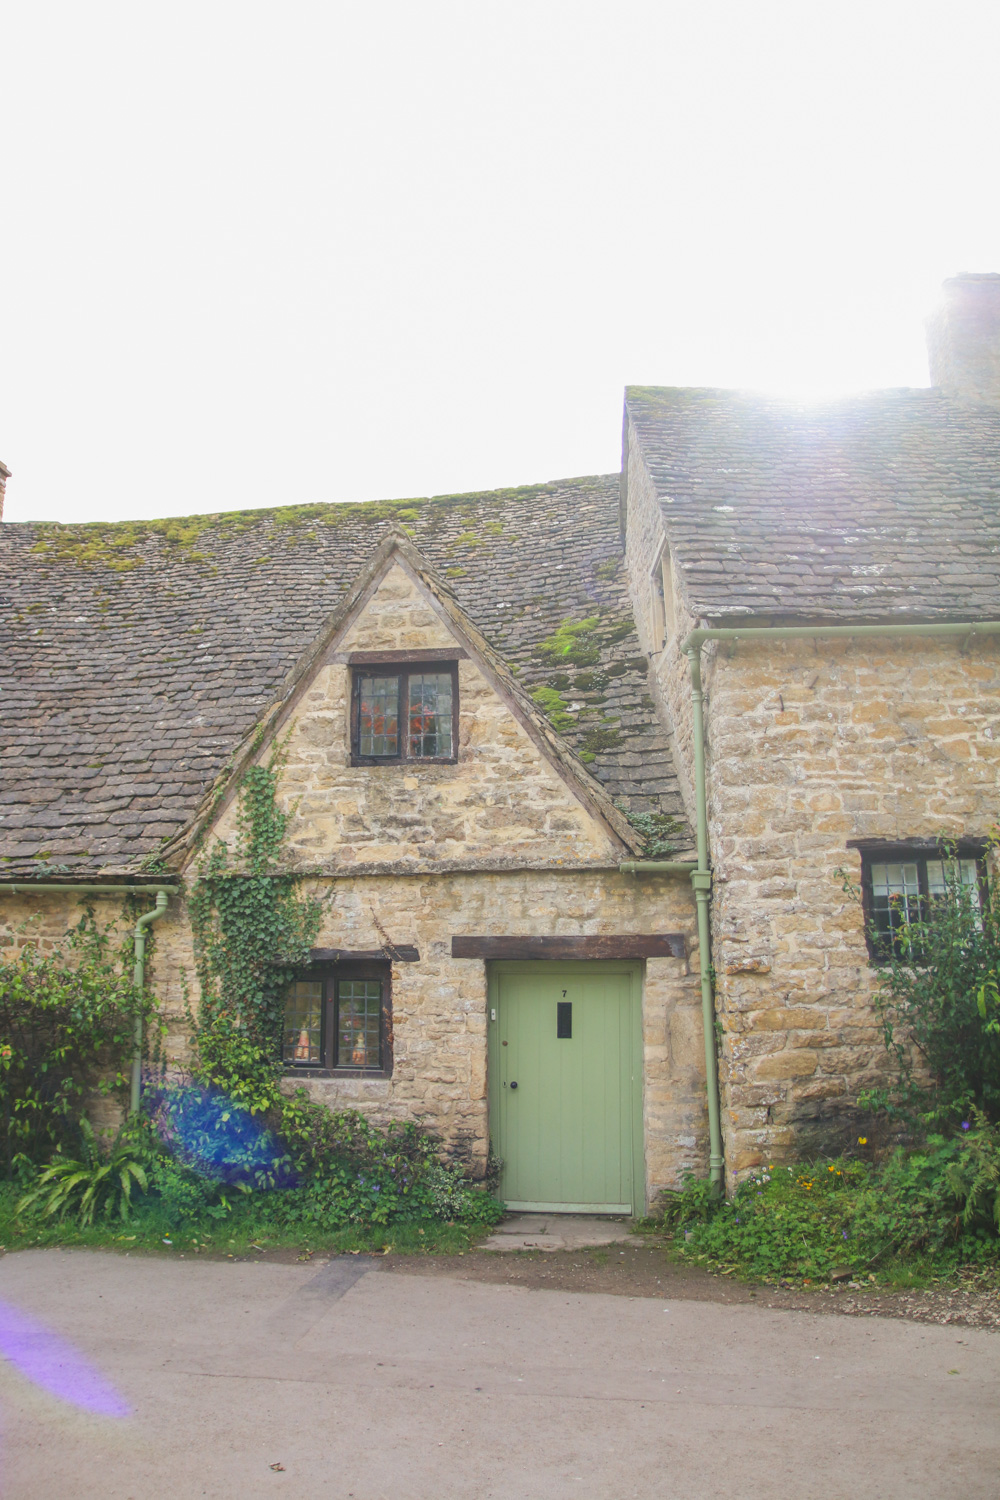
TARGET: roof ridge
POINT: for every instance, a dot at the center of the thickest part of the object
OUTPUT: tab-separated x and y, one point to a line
376	510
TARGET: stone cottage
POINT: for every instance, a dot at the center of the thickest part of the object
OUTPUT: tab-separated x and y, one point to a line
774	635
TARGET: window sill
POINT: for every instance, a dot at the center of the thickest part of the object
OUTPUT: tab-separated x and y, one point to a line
404	764
308	1070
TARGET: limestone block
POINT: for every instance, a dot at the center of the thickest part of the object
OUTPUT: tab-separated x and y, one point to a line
745	1160
749	963
798	1063
787	1018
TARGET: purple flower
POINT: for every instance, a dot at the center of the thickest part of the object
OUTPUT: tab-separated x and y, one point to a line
844	1233
965	1124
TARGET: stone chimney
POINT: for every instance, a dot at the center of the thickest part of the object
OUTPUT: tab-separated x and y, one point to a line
4	476
963	340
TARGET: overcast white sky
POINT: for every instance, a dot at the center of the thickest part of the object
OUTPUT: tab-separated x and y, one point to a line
254	253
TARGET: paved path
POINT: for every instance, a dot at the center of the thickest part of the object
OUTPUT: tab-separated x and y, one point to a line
368	1385
556	1232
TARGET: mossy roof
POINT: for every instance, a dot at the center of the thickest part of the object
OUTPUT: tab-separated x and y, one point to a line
135	657
875	507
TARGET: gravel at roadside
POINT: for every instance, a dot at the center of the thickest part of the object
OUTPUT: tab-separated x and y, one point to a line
643	1270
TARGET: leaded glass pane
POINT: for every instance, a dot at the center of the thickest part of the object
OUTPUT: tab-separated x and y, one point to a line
966	871
359	1014
378	717
895	896
430	714
940	870
303	1022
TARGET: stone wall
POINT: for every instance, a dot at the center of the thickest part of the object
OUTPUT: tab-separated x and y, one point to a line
669	678
523	854
503	797
439	1003
43	921
812	745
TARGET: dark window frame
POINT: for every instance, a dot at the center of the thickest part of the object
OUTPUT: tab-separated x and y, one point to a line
404	669
329	975
879	946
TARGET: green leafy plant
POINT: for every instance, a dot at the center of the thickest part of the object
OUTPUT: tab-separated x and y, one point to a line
936	1204
938	999
660	831
356	1174
988	1003
67	1021
252	929
97	1182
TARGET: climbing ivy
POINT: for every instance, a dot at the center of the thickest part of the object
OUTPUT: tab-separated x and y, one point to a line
252	929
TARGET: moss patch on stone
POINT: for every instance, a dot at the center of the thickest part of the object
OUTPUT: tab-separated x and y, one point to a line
120	545
554	706
603	737
574	641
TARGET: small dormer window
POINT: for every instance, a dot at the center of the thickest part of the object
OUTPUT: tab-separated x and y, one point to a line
404	711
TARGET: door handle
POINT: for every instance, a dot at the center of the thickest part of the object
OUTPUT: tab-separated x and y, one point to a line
513	1085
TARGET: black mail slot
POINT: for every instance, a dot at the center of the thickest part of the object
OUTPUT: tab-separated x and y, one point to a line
564	1019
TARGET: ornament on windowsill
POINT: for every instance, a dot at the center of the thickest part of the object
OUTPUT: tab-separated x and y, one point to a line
302	1049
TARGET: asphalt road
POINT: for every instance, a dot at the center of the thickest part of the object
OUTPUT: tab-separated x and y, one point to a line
148	1377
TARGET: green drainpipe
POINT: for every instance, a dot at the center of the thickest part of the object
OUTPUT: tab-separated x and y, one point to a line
701	875
138	979
139	945
701	879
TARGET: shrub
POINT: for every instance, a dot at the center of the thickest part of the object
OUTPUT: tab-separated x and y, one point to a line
67	1023
935	1000
940	1202
205	1129
181	1195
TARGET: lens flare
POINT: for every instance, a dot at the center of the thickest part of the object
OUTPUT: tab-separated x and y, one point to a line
217	1138
51	1362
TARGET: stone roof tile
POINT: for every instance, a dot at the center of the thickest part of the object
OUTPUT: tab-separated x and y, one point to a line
138	655
880	506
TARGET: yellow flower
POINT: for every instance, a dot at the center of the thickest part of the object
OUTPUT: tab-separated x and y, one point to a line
862	1140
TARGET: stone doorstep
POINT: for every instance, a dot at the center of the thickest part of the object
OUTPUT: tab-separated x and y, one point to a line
556	1232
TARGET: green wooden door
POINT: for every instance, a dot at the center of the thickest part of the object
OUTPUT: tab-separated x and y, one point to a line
565	1086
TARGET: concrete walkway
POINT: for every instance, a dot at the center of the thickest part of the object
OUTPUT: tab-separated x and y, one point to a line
348	1381
556	1232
